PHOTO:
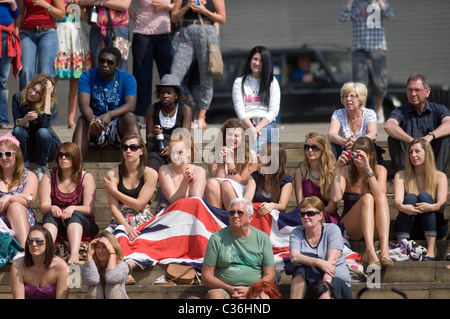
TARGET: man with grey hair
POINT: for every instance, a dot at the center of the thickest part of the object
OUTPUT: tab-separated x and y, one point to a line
238	255
419	118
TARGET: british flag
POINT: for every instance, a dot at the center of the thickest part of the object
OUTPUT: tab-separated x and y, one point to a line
180	233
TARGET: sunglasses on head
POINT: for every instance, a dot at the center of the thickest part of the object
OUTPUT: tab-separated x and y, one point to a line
7	153
313	147
64	154
39	241
132	147
309	213
103	60
240	213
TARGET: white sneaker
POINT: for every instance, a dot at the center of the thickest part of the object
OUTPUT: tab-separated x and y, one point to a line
380	117
39	171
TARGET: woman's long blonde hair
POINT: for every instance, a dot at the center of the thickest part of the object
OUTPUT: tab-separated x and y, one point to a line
42	80
117	248
327	163
19	166
430	169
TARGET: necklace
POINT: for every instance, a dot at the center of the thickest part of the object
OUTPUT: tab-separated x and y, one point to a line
312	176
251	84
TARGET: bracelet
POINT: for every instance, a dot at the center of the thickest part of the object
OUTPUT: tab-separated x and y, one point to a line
93	120
232	172
370	174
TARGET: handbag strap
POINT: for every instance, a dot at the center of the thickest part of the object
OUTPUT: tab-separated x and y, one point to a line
108	13
204	29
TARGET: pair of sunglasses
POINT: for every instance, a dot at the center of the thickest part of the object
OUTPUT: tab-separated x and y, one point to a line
132	147
309	213
103	60
39	241
7	153
240	213
313	147
64	154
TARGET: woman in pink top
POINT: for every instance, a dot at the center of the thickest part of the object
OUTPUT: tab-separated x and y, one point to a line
38	36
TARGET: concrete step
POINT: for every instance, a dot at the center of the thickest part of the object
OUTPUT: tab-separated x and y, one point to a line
418	280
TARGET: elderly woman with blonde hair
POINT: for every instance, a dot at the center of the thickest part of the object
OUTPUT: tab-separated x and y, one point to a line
352	121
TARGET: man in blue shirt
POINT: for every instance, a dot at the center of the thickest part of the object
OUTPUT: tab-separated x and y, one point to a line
107	99
419	119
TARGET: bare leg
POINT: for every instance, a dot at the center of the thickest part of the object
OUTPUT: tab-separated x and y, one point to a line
213	193
298	287
17	217
228	194
73	102
360	222
74	233
80	135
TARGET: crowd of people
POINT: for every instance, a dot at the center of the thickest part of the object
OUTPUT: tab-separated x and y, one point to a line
247	165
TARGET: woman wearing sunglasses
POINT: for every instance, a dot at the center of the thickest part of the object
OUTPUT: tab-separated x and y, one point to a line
181	178
315	175
130	188
18	189
315	250
362	186
32	114
66	195
270	185
40	274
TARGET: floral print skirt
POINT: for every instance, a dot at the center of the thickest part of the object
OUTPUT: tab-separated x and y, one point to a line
73	57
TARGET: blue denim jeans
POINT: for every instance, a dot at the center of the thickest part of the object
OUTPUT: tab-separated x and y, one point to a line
405	222
147	48
95	43
5	66
42	149
269	134
40	47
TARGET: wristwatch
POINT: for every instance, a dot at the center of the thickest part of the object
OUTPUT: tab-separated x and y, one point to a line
432	134
49	8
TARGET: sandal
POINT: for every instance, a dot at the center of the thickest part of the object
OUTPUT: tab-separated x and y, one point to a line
71	126
384	260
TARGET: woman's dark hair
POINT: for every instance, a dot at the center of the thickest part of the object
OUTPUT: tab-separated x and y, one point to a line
318	288
266	75
77	159
49	247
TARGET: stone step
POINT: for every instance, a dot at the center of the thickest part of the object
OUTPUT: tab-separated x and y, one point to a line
418	280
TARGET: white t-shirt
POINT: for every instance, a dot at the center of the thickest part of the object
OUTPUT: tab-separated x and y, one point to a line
249	105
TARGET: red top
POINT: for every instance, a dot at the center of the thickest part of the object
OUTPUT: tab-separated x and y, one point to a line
37	16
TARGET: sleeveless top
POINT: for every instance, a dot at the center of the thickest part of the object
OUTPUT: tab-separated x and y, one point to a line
31	218
64	200
178	118
191	15
45	292
264	196
134	193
